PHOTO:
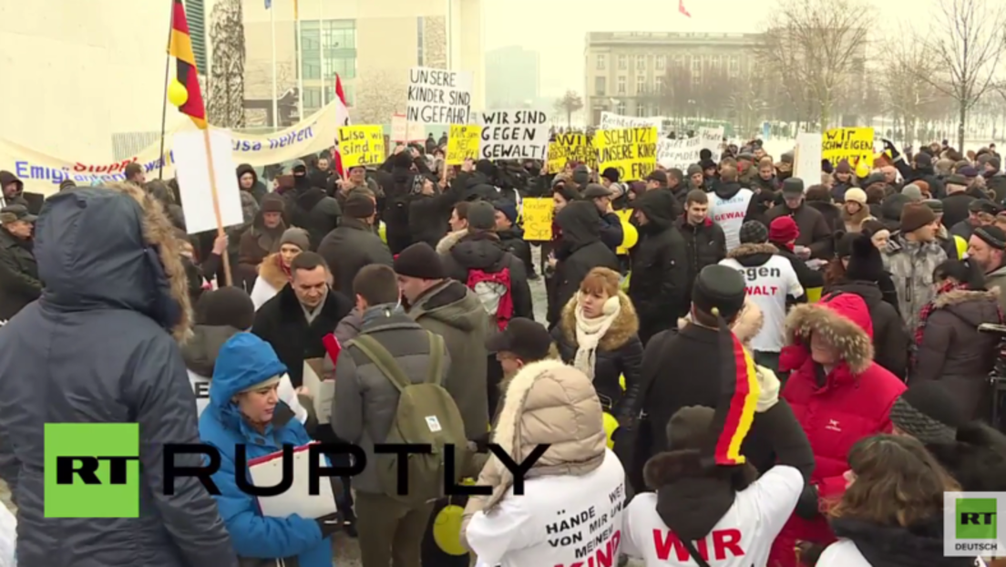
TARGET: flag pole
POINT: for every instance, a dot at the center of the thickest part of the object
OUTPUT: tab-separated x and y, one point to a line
275	101
300	61
164	102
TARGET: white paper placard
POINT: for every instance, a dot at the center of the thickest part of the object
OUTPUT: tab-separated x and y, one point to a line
297	499
807	158
514	134
192	170
404	131
437	96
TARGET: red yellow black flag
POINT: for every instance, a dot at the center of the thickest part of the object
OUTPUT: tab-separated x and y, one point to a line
739	391
186	73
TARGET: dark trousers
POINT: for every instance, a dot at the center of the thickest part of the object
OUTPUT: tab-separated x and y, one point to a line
390	532
770	360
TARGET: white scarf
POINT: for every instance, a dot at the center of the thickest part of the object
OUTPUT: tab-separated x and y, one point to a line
589	333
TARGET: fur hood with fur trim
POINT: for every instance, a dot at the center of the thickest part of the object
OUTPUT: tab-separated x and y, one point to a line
844	320
546	402
959	296
625	326
113	246
748	323
752	249
271	271
449	240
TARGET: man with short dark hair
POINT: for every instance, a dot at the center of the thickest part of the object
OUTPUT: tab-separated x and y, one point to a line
816	239
523	342
304	311
134	174
611	226
353	245
19	281
364	409
704	240
656	180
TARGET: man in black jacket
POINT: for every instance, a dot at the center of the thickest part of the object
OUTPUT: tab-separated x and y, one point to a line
611	226
19	281
353	245
304	311
705	241
310	207
957	201
577	252
512	236
659	266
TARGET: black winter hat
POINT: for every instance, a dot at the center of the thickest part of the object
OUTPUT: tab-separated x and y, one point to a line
793	186
705	154
403	160
611	174
923	159
226	307
273	203
992	235
929	412
865	262
753	232
420	260
528	340
358	206
481	216
707	163
720	287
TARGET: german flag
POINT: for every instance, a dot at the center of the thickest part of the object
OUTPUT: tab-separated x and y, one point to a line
181	49
739	391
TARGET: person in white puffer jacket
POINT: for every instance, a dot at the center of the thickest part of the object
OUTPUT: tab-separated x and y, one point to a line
221	314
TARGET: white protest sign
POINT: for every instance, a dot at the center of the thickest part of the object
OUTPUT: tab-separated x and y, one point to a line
193	172
678	153
514	134
437	96
404	131
612	121
711	139
807	158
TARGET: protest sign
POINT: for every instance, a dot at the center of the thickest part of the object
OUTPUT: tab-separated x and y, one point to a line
42	172
678	153
807	158
632	151
404	131
361	145
514	134
537	215
711	139
851	144
436	96
198	191
570	148
612	121
463	143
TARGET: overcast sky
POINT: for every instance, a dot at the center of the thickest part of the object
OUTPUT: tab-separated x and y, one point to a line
557	28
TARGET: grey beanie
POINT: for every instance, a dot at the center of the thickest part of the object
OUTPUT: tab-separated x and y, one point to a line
481	216
913	192
296	236
693	169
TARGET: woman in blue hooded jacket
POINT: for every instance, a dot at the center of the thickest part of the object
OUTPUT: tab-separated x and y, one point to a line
245	409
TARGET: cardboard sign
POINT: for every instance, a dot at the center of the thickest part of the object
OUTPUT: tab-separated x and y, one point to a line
851	144
193	170
436	96
404	131
463	143
538	218
632	151
514	134
361	145
570	148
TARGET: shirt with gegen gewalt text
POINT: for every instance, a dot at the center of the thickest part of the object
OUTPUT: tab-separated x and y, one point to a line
729	214
768	286
742	537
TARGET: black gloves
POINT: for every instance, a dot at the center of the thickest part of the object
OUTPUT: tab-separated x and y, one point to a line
807	505
889	146
329	524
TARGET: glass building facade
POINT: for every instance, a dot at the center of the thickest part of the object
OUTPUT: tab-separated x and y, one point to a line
329	49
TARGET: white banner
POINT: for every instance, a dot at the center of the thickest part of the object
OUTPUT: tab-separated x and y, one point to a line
683	152
612	121
437	96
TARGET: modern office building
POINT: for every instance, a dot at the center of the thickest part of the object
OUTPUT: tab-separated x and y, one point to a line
370	44
625	71
513	76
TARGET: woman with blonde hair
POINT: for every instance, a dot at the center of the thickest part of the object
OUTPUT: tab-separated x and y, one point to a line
892	511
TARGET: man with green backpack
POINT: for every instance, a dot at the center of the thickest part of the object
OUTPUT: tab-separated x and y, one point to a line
389	390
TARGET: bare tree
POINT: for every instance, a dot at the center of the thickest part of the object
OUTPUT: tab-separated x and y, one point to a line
568	104
379	94
226	85
908	93
966	41
819	45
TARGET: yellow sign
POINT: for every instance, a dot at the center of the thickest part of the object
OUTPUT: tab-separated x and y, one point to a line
537	212
570	147
854	145
361	145
463	143
632	151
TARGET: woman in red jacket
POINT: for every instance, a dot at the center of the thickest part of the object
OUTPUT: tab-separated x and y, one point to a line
839	396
